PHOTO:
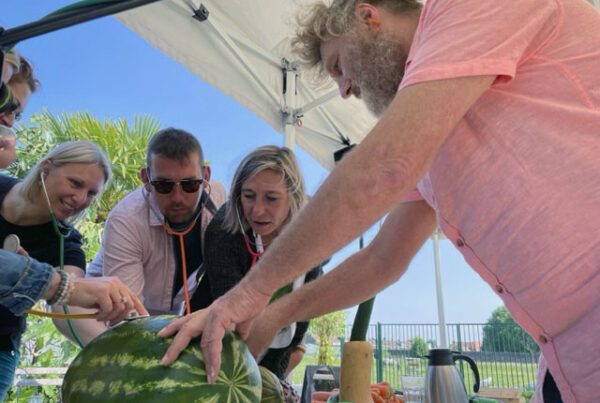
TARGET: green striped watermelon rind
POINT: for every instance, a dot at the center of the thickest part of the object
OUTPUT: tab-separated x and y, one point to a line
119	365
272	391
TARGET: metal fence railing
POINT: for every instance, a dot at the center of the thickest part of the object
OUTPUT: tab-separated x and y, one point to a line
504	358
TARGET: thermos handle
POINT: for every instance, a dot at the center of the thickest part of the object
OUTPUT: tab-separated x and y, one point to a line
473	368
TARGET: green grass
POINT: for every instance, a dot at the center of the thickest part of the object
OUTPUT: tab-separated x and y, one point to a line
298	372
514	375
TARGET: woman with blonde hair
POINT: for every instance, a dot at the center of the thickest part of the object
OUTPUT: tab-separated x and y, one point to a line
38	213
266	193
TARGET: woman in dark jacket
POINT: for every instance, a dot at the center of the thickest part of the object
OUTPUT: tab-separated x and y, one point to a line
267	191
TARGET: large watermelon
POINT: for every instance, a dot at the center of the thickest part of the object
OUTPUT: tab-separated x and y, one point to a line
123	365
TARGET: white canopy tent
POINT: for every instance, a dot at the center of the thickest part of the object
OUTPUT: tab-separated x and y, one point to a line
243	49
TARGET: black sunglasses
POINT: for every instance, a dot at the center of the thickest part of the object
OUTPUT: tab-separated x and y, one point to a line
187	185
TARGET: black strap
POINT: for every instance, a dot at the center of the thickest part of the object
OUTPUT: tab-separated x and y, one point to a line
210	206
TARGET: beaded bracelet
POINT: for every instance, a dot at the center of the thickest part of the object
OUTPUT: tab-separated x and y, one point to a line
65	288
59	290
64	298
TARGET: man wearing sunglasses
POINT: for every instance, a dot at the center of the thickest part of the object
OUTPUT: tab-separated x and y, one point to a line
138	245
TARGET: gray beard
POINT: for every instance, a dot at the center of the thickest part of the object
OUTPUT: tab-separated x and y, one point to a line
378	67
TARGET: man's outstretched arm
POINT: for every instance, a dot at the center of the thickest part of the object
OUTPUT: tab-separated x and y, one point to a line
368	183
358	278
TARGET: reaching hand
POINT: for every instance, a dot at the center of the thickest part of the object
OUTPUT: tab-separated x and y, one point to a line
109	295
237	307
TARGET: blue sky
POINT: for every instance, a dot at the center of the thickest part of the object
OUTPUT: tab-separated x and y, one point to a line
104	68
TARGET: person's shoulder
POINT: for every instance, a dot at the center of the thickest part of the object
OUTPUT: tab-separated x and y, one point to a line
216	224
74	254
74	235
130	206
218	194
216	233
7	182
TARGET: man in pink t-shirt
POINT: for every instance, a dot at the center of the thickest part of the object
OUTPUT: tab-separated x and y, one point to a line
491	110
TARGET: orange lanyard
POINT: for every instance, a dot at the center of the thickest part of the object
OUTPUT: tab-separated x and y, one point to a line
181	234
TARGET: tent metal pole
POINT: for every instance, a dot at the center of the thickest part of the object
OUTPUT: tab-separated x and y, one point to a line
326	115
290	136
290	78
319	101
438	287
51	23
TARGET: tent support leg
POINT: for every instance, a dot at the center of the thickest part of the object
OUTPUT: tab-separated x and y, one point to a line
438	288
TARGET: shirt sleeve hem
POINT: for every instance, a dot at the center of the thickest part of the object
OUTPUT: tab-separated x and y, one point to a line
505	71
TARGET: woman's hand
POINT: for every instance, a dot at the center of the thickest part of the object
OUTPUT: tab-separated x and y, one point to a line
109	295
21	251
237	307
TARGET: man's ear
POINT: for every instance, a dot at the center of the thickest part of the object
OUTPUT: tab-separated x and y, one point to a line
206	176
369	15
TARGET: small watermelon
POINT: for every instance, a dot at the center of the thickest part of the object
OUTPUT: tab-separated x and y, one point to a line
272	392
123	365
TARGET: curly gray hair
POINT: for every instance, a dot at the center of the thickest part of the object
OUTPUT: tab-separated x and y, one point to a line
320	22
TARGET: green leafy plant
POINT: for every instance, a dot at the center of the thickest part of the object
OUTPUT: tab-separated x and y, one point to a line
502	333
324	329
418	347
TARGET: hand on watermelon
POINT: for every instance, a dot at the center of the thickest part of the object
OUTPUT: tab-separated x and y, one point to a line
120	366
109	295
236	308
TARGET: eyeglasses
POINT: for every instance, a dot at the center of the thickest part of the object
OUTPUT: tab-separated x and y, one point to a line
187	185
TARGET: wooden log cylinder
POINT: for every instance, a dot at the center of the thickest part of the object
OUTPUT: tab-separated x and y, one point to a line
355	377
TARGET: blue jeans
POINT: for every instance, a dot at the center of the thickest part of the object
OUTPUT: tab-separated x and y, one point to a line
8	365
